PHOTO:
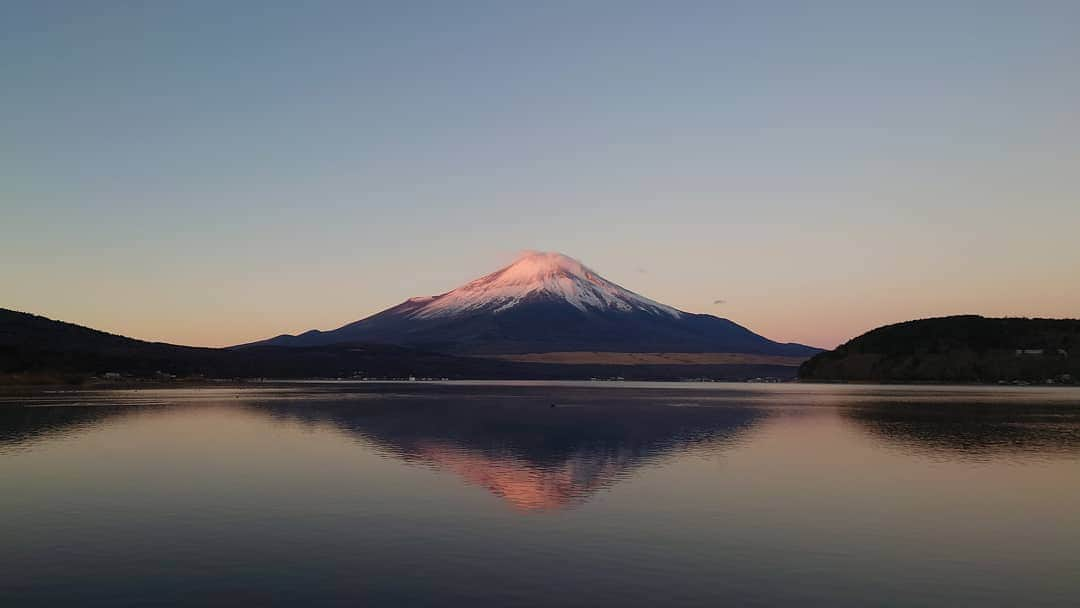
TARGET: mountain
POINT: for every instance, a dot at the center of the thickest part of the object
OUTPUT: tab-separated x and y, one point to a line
966	348
37	350
545	302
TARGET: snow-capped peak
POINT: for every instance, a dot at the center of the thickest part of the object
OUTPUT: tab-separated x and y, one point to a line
537	274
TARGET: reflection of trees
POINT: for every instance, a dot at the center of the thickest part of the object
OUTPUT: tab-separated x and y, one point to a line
531	454
973	431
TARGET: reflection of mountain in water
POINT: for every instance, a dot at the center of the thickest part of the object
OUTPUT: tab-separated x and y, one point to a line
535	456
974	431
515	442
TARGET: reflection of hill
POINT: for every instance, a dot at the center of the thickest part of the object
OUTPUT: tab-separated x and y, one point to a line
534	456
974	431
22	426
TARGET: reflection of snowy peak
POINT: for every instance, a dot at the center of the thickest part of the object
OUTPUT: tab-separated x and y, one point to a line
535	276
545	302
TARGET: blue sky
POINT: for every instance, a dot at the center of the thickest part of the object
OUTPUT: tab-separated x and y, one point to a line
210	173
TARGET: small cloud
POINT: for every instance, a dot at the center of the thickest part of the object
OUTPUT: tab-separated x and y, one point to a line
719	301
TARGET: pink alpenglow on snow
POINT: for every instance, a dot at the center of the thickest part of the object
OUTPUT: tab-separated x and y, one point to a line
537	273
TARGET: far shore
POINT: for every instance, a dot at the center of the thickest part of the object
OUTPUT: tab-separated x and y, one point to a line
9	388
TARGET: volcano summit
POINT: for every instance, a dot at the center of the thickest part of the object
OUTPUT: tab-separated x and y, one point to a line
546	302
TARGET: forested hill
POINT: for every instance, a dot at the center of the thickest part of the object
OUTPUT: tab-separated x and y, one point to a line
966	348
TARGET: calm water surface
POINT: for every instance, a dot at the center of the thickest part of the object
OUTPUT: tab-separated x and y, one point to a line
541	494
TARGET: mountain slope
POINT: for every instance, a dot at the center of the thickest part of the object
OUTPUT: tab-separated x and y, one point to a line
955	349
35	349
545	302
31	345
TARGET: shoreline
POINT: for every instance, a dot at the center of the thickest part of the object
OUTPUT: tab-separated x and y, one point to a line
240	383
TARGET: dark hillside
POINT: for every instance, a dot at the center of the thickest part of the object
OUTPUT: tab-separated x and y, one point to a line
956	349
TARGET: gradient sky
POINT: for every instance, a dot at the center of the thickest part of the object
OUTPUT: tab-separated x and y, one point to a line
212	173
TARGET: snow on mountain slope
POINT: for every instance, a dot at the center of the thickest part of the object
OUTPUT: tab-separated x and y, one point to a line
537	275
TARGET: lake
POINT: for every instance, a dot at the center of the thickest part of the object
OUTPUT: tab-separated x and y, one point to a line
541	494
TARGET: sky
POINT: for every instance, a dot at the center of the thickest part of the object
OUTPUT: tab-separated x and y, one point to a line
213	173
